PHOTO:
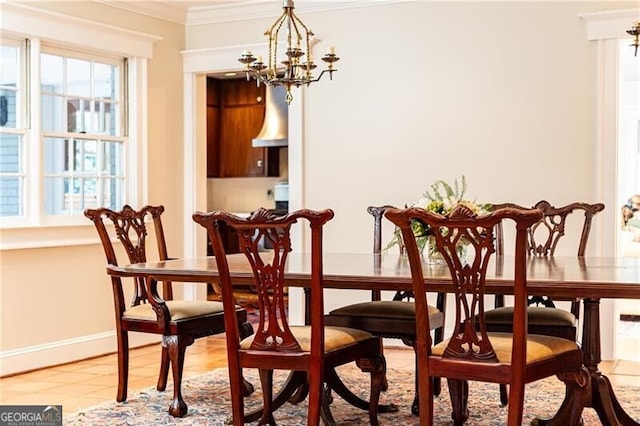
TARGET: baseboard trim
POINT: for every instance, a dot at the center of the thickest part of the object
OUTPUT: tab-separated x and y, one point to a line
64	351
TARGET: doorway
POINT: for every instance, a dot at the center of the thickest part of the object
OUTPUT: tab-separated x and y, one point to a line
197	65
627	312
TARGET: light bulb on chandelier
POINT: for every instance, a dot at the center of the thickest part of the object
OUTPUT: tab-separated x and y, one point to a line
294	70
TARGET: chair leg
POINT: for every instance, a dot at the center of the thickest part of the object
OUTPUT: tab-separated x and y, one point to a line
164	370
516	404
176	347
415	405
459	393
436	381
315	380
504	394
385	383
378	377
123	364
266	381
246	330
438	336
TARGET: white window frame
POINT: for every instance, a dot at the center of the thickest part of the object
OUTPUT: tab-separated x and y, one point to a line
41	26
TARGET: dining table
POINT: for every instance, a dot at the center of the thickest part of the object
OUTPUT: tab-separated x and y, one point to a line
589	279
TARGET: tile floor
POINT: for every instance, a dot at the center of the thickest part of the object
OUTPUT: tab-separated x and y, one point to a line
94	381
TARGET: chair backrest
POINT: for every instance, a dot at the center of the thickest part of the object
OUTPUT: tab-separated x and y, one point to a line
129	227
468	274
268	267
543	237
378	213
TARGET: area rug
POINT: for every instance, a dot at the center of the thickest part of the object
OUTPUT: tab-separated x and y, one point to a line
208	399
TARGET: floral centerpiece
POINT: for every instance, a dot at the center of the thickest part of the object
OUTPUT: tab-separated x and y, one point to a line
441	198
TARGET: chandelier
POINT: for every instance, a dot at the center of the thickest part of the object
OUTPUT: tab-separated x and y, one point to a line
296	68
635	31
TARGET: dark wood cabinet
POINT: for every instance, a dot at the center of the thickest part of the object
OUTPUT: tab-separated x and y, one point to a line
229	240
235	113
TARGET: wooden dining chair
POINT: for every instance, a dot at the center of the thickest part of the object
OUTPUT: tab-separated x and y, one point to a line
472	353
544	316
179	322
312	351
392	319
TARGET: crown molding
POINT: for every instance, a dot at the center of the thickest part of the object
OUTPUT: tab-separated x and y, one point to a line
200	13
171	12
257	9
24	20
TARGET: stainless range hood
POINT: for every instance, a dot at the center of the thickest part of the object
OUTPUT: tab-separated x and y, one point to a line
275	129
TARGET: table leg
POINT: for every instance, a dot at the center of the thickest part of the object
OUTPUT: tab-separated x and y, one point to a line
603	400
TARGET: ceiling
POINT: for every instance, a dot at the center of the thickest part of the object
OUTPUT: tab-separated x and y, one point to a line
193	12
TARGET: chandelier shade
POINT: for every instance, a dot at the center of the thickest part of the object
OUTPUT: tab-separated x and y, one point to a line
295	67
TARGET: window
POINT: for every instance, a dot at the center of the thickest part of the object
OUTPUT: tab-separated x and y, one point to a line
68	139
82	134
12	129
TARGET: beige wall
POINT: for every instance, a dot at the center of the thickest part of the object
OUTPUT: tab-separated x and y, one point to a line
57	302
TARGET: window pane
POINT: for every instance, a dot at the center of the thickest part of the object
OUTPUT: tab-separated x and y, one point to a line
52	72
53	114
10	153
55	155
11	184
79	117
8	99
10	196
9	66
107	114
113	163
57	195
105	81
78	77
113	190
86	159
89	198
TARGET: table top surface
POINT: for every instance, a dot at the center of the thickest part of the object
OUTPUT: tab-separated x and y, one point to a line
597	277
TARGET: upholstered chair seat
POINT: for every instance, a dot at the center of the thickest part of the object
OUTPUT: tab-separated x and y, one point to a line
179	309
537	315
539	347
334	337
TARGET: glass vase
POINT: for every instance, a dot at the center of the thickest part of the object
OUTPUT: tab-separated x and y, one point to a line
435	257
